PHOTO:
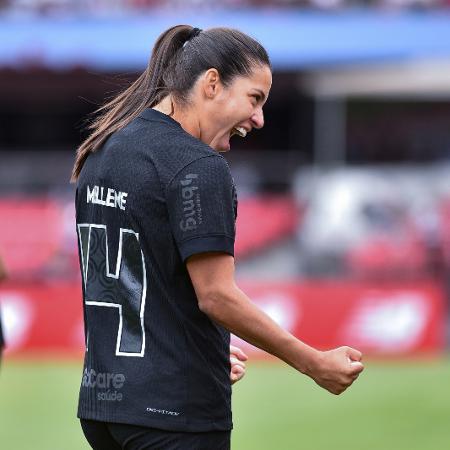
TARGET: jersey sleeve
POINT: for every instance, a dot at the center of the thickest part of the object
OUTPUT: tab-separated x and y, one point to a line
201	201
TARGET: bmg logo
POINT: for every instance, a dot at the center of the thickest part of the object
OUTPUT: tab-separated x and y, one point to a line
192	210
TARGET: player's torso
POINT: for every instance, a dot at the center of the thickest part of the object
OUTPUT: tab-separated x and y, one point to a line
152	357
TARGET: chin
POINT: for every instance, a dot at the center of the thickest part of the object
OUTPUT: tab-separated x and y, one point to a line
223	148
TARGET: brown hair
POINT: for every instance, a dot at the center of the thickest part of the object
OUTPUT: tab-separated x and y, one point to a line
179	56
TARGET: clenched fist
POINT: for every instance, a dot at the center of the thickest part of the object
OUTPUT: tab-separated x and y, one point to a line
335	370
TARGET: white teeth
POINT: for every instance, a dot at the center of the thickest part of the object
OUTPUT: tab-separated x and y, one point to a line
241	131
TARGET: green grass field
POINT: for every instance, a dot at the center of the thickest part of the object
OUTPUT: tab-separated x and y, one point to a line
401	406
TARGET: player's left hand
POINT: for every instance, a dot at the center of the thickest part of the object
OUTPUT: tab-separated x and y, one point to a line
237	358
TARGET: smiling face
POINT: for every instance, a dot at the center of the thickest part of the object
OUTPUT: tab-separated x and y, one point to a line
223	111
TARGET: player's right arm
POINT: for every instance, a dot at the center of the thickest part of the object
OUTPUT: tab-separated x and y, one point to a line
212	276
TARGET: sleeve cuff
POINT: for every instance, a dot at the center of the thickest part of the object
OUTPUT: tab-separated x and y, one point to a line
206	244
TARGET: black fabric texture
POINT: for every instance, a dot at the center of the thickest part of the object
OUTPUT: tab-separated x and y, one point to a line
152	196
112	436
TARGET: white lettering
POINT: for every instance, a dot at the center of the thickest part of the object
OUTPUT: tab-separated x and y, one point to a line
114	199
123	200
163	411
110	197
91	195
101	201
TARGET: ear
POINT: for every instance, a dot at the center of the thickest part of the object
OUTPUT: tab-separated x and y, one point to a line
211	83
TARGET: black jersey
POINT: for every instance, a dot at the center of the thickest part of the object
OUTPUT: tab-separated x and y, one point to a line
152	196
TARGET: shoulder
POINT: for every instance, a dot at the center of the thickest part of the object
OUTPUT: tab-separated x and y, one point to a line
156	138
178	153
210	167
189	148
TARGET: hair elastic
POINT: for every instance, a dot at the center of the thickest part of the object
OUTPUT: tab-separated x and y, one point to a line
194	32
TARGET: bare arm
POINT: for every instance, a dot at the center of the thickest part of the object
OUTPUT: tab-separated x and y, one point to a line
212	275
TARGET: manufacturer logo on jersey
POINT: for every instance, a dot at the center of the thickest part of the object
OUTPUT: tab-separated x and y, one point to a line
192	209
163	411
104	380
100	195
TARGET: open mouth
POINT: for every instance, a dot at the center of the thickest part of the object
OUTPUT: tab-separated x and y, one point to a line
240	131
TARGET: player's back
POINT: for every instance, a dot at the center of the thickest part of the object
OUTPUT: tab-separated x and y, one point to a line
153	358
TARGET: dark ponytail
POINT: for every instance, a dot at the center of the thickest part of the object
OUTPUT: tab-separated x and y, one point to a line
179	56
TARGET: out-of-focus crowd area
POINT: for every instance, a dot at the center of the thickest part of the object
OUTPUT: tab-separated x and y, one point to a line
108	7
343	230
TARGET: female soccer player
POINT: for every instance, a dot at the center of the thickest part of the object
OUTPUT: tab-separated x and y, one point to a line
156	208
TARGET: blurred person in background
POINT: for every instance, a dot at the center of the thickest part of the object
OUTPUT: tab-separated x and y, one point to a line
3	276
156	208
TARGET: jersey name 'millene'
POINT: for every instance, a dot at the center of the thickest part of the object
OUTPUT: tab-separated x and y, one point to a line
99	195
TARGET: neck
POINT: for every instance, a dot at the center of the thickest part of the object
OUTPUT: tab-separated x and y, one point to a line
186	117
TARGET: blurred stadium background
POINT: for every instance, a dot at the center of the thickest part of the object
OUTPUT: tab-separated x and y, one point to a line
344	210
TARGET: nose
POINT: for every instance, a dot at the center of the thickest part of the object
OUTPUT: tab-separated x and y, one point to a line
258	118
